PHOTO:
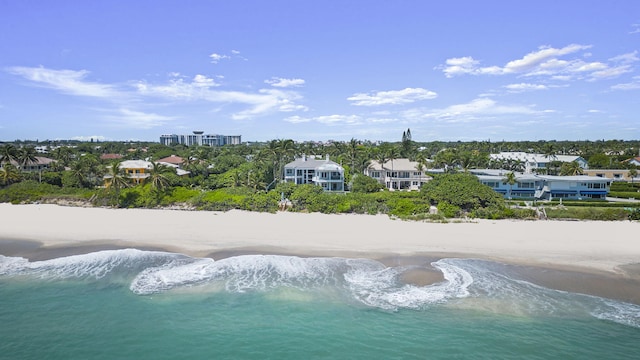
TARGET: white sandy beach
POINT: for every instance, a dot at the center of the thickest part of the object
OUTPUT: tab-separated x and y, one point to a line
600	246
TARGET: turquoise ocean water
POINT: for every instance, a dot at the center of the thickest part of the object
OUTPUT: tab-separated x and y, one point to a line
132	304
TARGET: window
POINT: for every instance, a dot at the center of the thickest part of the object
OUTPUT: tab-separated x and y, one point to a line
417	173
375	174
299	172
526	185
290	172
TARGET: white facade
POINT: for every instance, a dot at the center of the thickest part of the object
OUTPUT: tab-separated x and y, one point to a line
546	187
306	170
199	138
535	162
398	174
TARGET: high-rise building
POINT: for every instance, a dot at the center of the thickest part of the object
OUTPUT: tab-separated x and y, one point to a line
200	138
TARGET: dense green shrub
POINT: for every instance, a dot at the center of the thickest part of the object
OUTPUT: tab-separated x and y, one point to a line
625	195
365	184
448	210
261	201
32	191
587	213
624	186
463	190
220	200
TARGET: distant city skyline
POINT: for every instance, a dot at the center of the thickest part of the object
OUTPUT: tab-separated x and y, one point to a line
331	70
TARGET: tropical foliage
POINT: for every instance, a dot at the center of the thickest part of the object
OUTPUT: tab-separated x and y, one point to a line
247	177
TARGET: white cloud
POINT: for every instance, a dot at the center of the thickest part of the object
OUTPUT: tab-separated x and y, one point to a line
459	66
525	87
636	29
626	58
216	58
546	61
480	108
536	58
202	81
633	85
609	73
201	89
67	81
284	83
327	119
393	97
137	119
89	138
297	119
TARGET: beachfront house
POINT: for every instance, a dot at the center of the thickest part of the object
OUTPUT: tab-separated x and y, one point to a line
137	170
398	174
613	174
536	163
545	187
40	163
634	161
310	170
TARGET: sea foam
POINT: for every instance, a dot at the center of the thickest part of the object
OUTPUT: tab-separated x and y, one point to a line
468	283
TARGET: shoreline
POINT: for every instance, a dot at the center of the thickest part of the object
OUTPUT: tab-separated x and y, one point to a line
597	258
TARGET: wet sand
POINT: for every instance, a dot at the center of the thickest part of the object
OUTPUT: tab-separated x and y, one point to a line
598	258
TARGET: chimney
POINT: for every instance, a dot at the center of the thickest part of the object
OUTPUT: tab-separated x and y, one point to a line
326	157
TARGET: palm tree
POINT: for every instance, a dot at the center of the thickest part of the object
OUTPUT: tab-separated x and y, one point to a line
63	155
157	176
27	155
573	168
9	174
381	155
87	171
510	178
353	150
633	173
8	153
550	153
118	177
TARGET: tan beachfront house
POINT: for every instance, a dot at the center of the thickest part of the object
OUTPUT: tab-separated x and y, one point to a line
398	174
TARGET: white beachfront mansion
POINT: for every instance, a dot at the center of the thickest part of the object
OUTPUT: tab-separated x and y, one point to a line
311	170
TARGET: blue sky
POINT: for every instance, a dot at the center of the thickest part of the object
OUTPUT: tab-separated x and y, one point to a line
320	70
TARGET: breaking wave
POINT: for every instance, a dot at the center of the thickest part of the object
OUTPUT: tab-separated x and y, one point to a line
468	283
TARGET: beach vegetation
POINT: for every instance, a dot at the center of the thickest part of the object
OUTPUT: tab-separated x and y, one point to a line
8	153
365	184
247	177
9	174
587	213
448	210
462	190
